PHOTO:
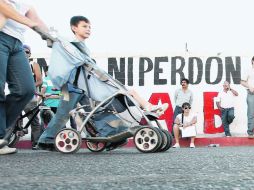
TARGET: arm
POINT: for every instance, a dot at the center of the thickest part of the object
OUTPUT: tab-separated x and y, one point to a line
175	97
32	15
218	101
192	122
9	12
177	121
246	85
191	98
43	90
37	73
218	105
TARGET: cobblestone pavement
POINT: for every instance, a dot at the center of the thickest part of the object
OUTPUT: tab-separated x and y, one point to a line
200	168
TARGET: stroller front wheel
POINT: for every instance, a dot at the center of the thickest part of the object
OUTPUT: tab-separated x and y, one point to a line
68	141
148	139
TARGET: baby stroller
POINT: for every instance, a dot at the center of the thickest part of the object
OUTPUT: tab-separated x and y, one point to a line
111	115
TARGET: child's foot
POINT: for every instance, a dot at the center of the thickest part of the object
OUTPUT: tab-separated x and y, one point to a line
157	108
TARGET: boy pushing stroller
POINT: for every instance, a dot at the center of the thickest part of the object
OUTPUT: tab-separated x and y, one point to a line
81	28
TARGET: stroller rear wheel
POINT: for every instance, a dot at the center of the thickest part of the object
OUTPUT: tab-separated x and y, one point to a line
167	141
68	141
148	139
95	146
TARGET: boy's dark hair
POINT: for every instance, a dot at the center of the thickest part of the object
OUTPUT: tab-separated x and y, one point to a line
76	19
186	80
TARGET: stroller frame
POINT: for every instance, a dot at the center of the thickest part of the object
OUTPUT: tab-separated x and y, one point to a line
147	138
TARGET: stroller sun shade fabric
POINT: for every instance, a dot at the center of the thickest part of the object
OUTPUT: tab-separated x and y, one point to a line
64	60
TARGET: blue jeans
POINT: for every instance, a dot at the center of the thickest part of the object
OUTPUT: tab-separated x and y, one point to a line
60	119
227	116
15	70
178	110
250	112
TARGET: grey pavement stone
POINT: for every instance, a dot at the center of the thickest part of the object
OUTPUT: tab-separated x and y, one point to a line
200	168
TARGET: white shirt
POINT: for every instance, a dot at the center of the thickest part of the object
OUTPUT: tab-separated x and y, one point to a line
249	77
12	27
186	119
226	99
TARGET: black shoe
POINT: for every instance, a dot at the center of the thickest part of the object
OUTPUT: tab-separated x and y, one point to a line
45	146
35	147
112	146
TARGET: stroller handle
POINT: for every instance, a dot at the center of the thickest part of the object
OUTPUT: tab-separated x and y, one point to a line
45	36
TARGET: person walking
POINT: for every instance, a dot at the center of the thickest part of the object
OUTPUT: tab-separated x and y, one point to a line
81	28
14	66
37	76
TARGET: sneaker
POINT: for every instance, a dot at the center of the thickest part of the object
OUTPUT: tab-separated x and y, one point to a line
228	135
35	147
192	145
177	145
112	146
7	150
3	142
45	146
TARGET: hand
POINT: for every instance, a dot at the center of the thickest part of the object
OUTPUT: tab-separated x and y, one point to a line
220	108
251	89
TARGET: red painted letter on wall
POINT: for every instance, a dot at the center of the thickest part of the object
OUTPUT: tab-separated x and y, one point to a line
209	113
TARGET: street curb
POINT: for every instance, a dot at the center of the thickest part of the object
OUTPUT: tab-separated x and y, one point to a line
199	142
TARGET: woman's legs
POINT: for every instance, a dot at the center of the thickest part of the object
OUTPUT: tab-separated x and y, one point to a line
176	134
192	145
